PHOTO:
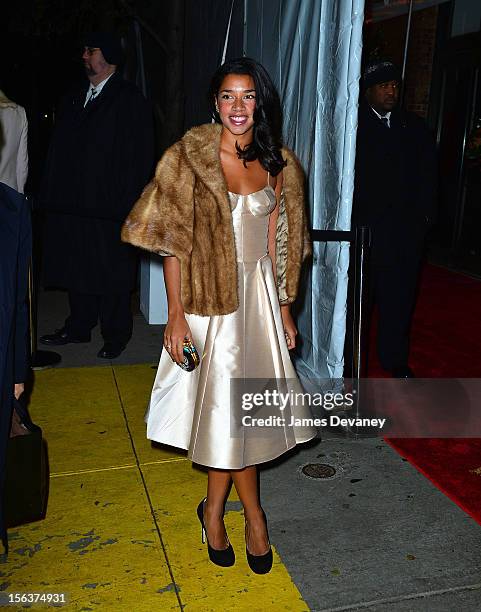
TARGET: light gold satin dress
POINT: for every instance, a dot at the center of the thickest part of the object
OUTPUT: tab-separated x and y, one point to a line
195	410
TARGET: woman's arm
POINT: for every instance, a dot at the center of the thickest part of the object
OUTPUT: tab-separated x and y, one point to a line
22	154
177	328
290	329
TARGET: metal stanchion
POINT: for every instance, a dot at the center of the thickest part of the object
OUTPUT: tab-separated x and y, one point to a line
361	245
356	331
360	322
40	360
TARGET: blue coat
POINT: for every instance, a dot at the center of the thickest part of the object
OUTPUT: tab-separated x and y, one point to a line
15	251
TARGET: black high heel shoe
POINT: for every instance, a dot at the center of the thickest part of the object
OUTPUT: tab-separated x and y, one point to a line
224	557
260	564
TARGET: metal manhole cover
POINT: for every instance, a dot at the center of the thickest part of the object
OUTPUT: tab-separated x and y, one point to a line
318	470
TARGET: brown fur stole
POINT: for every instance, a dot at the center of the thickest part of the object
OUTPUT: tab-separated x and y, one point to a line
184	211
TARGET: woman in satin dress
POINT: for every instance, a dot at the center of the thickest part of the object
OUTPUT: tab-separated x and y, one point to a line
194	410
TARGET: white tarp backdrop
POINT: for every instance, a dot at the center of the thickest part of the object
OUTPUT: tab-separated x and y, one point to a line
312	49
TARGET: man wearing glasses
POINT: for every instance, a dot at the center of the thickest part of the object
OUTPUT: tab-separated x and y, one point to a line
100	157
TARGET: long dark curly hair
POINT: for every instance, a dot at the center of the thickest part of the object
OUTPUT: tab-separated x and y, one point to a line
267	139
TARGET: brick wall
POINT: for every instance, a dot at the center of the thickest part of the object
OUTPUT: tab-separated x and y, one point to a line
387	39
420	60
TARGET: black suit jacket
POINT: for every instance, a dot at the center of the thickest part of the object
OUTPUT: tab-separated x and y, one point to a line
395	180
100	158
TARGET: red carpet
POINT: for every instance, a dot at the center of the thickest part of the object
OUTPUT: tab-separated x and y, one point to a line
445	343
453	465
446	330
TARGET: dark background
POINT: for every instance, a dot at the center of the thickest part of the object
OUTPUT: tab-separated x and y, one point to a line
181	44
442	85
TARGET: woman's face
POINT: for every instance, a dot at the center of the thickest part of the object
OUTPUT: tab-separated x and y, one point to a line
236	103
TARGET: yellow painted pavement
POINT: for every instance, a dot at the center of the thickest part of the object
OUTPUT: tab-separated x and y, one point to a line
121	531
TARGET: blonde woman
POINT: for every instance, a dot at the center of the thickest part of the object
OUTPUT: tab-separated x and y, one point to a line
13	144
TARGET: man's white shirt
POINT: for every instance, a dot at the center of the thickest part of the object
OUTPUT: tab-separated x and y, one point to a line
97	88
381	117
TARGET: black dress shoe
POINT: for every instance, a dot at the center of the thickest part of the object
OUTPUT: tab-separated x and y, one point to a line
61	336
404	372
224	557
260	564
110	350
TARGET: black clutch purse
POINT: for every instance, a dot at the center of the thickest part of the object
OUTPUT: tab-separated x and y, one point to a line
191	357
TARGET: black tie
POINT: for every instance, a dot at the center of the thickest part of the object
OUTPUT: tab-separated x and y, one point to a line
385	121
93	93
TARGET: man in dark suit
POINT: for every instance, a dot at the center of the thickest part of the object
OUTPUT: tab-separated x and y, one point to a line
395	186
100	158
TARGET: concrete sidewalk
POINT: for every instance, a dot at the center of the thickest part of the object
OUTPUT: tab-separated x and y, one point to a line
377	536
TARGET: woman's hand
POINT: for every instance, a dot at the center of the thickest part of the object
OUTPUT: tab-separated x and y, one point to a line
290	329
175	332
18	389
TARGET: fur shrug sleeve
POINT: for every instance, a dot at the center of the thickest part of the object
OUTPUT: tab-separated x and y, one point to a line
162	219
293	241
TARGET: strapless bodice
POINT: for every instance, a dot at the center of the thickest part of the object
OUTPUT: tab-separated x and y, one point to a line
259	203
250	218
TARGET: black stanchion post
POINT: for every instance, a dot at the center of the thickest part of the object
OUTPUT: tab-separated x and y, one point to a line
358	327
360	318
40	359
361	246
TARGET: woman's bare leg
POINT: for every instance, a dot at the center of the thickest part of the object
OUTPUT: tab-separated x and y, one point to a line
217	487
245	482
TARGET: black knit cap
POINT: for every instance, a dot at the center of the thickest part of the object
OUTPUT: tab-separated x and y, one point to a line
380	71
108	43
